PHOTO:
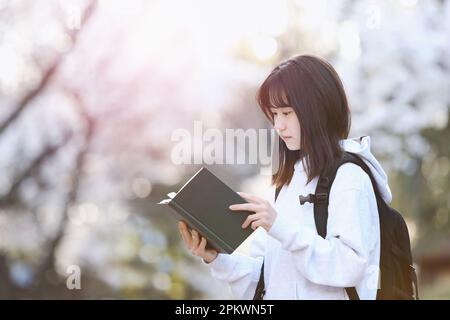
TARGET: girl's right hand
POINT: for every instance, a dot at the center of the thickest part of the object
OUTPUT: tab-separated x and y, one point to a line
196	245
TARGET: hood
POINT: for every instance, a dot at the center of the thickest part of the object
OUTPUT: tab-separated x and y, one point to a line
361	147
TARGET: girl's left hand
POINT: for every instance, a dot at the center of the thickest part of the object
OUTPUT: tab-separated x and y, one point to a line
264	215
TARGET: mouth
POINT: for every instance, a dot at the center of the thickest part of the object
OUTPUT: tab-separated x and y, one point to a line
286	137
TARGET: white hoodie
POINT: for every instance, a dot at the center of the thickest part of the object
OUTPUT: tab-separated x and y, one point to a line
299	264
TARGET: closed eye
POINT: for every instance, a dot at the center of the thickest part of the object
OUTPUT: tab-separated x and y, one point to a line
274	113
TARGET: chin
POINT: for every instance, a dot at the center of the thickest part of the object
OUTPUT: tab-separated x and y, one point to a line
292	148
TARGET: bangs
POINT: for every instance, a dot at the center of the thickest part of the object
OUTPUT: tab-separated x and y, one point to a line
272	94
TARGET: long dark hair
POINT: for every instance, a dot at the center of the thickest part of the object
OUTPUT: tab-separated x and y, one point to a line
312	87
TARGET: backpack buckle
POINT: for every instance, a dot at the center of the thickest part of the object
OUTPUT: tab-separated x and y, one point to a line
308	198
321	198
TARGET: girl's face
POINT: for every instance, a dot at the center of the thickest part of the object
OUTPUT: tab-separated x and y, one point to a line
287	126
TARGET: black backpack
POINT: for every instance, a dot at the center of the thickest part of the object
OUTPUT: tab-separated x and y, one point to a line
398	280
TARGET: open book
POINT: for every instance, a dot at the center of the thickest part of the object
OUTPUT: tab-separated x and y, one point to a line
202	203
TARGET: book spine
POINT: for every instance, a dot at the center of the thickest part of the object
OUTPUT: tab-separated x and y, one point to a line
212	237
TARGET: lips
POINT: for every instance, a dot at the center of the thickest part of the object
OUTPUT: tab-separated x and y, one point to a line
287	137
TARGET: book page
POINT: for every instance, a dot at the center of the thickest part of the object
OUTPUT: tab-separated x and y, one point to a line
172	195
165	201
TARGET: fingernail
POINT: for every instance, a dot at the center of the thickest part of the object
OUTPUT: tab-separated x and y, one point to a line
231	207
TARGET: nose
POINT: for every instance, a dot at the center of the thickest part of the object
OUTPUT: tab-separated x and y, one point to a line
279	124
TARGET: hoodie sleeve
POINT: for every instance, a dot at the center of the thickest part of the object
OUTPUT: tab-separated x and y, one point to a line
340	259
241	271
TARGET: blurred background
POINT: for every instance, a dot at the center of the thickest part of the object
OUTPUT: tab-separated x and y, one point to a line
91	93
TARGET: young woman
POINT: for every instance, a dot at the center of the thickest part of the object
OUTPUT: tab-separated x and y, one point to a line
305	101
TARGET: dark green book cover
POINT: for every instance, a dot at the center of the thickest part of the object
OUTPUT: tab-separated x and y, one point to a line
203	204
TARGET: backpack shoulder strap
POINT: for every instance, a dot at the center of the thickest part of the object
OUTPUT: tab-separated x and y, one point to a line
322	194
323	188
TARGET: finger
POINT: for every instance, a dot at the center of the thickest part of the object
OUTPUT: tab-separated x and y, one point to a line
250	219
186	236
186	227
188	240
256	224
245	207
182	225
202	245
195	239
251	197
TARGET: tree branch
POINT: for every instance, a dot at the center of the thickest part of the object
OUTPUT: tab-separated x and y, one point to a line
48	74
46	154
49	262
